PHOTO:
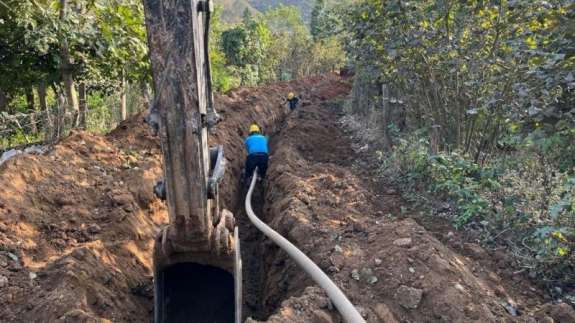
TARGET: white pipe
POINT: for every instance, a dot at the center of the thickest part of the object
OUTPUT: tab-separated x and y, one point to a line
344	306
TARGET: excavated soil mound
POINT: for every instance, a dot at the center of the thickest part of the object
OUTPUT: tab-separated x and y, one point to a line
76	230
394	270
77	224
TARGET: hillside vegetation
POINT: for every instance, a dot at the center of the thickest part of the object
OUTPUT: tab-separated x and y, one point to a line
68	64
234	9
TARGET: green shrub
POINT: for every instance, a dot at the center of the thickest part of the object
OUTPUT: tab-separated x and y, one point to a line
524	199
463	181
448	174
20	138
99	117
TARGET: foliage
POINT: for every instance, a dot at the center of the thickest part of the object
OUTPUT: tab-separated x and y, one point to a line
222	77
245	47
479	95
23	59
448	174
100	118
121	41
234	43
328	21
462	180
327	56
98	42
20	137
106	43
293	41
306	7
316	14
277	45
464	66
528	207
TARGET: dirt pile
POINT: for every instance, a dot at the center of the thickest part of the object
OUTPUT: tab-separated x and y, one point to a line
394	270
76	231
77	223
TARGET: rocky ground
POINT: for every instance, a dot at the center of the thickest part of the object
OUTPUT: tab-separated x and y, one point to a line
77	226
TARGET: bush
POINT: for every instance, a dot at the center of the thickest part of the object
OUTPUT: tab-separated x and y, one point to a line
99	117
448	174
19	138
522	200
463	181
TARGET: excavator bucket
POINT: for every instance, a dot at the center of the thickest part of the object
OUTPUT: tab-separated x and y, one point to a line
197	264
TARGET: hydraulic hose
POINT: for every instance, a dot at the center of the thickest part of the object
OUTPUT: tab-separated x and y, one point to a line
343	305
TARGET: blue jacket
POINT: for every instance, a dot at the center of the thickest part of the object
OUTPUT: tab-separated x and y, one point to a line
257	144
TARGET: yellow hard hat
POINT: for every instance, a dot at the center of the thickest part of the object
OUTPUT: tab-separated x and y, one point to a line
291	95
254	128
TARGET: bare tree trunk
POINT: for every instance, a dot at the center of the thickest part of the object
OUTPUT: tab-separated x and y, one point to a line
83	106
60	117
434	139
42	97
30	99
3	100
66	71
448	6
31	109
386	116
145	95
58	120
71	100
123	105
46	122
483	141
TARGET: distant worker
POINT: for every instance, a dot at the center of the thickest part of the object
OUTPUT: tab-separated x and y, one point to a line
257	147
292	101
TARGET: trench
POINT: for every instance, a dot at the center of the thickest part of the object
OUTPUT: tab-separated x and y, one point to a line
253	261
255	247
199	292
264	264
270	275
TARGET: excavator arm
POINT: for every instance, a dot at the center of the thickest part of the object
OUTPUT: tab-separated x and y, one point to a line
199	249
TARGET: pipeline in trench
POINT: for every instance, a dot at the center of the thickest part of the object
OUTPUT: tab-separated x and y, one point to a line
257	252
198	293
269	275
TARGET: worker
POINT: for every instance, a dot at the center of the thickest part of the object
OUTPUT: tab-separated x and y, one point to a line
292	101
257	147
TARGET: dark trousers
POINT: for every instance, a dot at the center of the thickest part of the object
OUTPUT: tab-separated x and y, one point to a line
293	103
257	160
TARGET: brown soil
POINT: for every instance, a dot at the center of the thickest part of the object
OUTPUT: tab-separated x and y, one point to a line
81	219
77	227
320	197
77	224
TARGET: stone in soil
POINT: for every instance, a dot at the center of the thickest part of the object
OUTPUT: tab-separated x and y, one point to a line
384	314
3	281
404	242
408	297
